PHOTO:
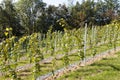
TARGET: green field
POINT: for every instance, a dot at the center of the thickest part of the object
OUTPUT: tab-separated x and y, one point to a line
32	56
106	69
59	39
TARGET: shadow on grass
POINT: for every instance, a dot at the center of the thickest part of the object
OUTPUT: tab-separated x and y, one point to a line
98	67
113	66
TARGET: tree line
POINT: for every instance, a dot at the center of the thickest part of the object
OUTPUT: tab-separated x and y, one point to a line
29	16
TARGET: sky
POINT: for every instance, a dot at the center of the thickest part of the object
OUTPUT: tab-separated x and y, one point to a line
56	2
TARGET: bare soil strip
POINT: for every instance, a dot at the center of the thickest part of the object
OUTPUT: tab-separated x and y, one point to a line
50	59
47	60
77	65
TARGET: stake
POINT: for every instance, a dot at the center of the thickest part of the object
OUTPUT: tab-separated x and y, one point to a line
85	41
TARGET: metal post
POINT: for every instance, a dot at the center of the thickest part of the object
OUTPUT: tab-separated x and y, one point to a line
85	41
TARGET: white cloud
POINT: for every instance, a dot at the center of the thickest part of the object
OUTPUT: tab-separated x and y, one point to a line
55	2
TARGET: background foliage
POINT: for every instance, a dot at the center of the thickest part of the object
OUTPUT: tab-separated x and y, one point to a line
29	16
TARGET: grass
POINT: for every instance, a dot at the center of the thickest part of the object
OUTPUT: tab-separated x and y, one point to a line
106	69
48	67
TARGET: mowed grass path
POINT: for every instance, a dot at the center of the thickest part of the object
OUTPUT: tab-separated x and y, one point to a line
106	69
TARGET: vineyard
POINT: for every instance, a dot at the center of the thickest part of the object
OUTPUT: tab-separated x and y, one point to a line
30	57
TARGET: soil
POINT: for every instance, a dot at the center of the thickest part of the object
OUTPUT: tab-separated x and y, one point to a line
79	64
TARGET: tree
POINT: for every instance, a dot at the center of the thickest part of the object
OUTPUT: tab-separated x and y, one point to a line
29	11
112	8
9	17
83	12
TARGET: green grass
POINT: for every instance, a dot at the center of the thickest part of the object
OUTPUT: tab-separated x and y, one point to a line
106	69
48	67
72	39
